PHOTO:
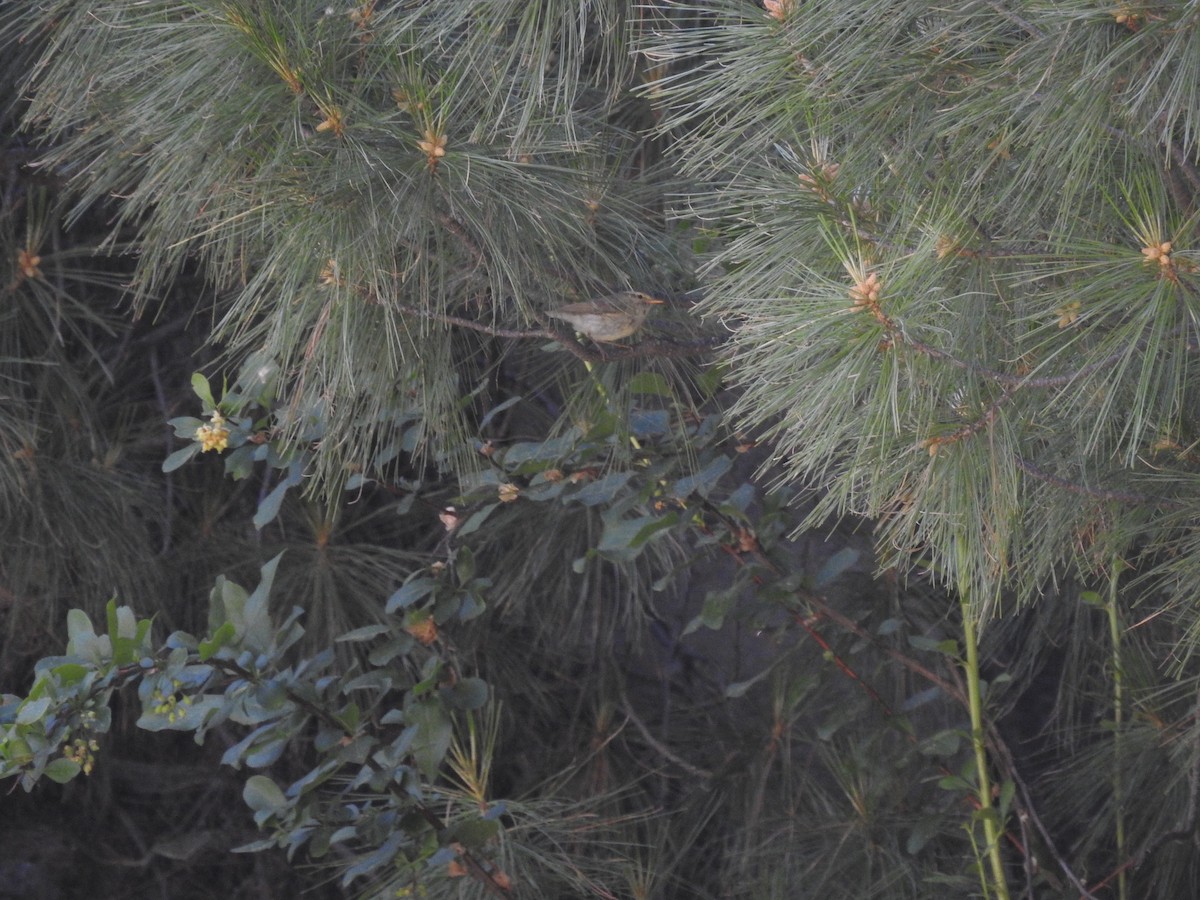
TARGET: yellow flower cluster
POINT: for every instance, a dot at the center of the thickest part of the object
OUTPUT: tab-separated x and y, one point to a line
82	750
169	705
214	435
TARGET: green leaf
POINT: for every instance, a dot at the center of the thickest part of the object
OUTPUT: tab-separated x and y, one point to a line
268	507
350	716
710	380
647	531
268	752
389	650
61	770
123	630
433	733
473	833
257	631
255	846
944	743
203	391
650	383
716	606
496	410
32	711
922	642
365	633
78	624
476	519
185	426
948	647
835	566
464	564
240	463
622	538
649	422
410	593
920	698
925	830
376	859
955	784
888	626
222	636
704	480
739	688
227	602
602	490
1008	789
466	693
262	794
69	674
180	457
234	754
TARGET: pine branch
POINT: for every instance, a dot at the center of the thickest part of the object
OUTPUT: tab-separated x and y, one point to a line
972	428
1184	162
1087	491
1009	378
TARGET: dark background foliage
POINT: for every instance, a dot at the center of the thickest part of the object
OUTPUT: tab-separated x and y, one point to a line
725	594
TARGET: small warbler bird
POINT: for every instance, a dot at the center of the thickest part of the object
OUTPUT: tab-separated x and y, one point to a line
608	318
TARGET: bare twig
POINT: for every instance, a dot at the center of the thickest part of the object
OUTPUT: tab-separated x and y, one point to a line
1004	757
461	322
660	748
646	348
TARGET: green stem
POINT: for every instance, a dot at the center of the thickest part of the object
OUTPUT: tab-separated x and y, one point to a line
987	812
1114	631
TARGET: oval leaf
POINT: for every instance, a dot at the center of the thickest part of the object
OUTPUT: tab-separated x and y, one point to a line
262	794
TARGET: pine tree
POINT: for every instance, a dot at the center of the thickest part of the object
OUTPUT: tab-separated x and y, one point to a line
930	270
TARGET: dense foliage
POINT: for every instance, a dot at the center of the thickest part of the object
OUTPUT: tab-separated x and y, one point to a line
543	616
